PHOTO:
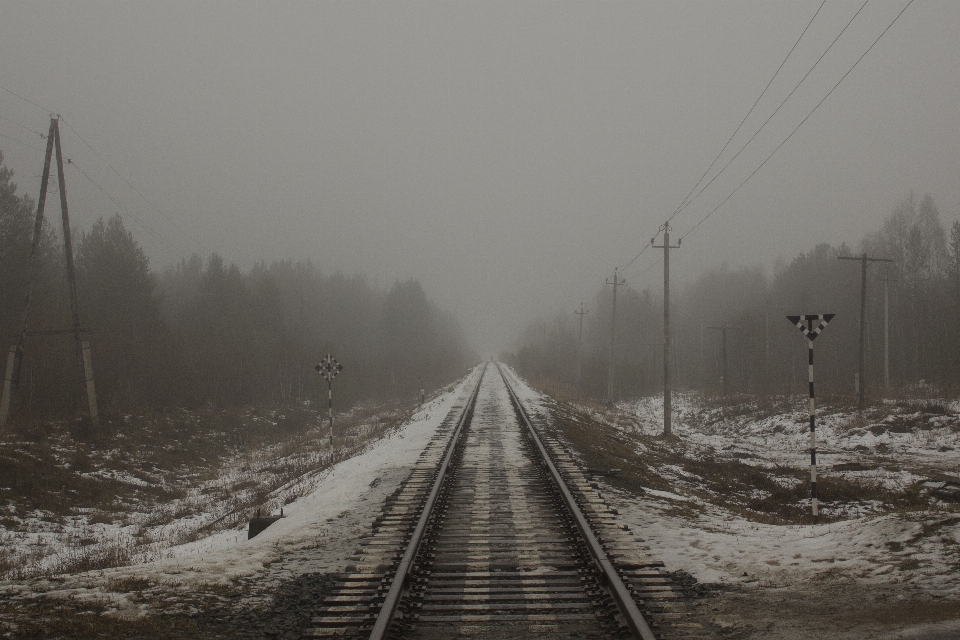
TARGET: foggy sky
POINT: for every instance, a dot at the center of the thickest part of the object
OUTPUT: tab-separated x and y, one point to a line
509	155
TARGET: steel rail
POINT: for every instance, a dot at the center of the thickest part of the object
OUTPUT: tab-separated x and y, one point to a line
621	595
389	607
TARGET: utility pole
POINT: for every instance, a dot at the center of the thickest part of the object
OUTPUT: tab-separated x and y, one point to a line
617	281
666	246
864	263
15	356
766	343
723	331
886	331
582	312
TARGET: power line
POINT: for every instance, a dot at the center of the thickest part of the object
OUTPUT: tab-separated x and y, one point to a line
684	203
829	93
635	257
3	135
137	191
149	229
643	271
14	93
777	110
23	126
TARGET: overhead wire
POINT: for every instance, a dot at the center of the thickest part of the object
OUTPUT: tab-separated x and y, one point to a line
777	110
684	202
137	191
43	136
795	129
28	100
163	241
26	144
112	168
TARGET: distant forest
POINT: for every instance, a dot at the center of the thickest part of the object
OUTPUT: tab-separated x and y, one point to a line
764	353
205	333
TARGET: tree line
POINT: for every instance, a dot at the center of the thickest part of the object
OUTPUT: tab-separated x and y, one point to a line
206	333
764	353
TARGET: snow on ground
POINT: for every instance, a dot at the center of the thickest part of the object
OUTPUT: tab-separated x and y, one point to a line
316	534
876	574
892	437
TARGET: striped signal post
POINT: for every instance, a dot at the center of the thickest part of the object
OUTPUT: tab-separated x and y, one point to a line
329	368
811	326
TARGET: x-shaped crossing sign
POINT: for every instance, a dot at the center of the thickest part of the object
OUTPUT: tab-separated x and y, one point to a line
329	367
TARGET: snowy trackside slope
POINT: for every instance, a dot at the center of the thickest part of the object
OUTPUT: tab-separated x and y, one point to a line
316	534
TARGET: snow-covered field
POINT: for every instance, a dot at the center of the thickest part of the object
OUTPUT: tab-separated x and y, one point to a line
873	570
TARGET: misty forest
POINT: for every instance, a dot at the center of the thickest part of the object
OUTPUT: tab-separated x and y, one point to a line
915	299
203	332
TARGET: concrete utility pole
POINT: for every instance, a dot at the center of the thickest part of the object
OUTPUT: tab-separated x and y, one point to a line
617	281
723	331
15	356
864	263
582	312
886	330
666	246
766	343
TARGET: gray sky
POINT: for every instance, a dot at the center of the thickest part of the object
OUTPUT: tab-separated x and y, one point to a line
508	155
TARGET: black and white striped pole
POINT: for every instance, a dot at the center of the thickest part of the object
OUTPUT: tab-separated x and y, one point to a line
811	326
329	368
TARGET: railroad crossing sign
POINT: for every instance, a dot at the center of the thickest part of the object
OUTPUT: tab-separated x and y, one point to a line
811	326
809	330
329	367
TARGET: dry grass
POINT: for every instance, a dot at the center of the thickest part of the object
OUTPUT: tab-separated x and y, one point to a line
759	494
147	478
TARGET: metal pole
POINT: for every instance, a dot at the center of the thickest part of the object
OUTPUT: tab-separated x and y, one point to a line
330	410
813	433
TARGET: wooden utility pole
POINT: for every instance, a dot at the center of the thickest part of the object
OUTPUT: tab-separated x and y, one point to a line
667	406
15	357
617	281
582	312
864	263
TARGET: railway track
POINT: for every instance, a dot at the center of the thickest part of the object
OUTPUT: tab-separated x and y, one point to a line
497	533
